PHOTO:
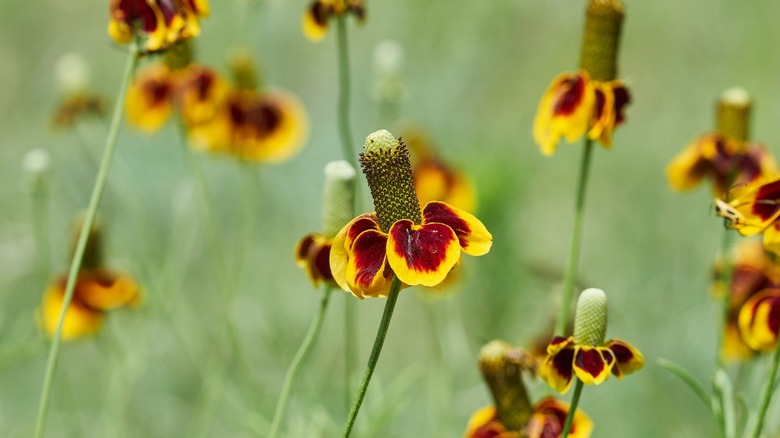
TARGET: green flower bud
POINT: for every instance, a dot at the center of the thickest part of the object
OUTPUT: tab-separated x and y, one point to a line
386	165
590	319
502	365
733	114
338	196
600	41
35	166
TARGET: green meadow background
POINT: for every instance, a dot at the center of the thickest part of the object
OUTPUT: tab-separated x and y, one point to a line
474	73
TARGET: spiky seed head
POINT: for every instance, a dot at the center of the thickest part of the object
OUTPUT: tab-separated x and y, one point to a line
590	319
388	170
338	195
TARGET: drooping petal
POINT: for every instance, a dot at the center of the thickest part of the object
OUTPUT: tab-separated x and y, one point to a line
759	320
422	254
622	98
340	252
315	20
201	94
473	237
755	207
80	320
772	238
565	110
593	365
313	254
367	273
484	423
149	99
549	417
733	347
104	290
603	114
557	367
627	358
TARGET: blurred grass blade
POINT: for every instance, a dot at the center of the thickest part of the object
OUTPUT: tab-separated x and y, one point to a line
688	378
724	392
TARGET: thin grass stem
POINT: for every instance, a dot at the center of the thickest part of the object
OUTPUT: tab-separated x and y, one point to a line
576	240
295	367
379	341
75	266
766	395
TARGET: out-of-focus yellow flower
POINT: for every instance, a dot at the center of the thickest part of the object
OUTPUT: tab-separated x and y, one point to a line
96	292
725	162
319	13
547	421
255	126
436	181
574	105
753	270
759	320
157	23
149	99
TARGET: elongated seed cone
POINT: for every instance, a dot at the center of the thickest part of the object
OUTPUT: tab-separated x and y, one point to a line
734	114
590	320
601	39
338	196
502	365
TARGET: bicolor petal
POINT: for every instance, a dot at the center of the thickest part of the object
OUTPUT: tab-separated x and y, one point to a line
315	20
80	320
472	235
557	368
367	271
759	320
422	254
627	358
549	417
566	110
342	245
313	254
103	290
593	365
603	114
149	99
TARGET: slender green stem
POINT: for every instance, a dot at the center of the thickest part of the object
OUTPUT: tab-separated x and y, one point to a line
374	358
725	279
75	266
575	400
348	152
766	395
576	240
295	366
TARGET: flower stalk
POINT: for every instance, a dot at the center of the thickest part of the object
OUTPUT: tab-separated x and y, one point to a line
81	245
575	400
379	341
766	394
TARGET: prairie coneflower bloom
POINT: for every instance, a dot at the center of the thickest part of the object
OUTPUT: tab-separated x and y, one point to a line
724	156
149	100
419	247
586	356
754	209
313	250
759	320
319	13
512	415
436	181
590	101
753	270
157	23
96	292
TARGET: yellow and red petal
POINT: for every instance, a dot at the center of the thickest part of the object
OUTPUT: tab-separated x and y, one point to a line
149	99
201	95
313	254
80	320
315	20
422	254
550	415
603	114
565	110
622	97
103	290
557	369
593	365
627	358
772	238
757	205
484	423
472	235
759	320
435	181
342	244
367	273
733	347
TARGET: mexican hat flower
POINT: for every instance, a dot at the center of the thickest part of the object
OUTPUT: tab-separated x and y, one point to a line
320	12
313	250
725	156
434	180
759	320
754	209
752	271
418	246
96	292
158	24
586	356
590	101
512	415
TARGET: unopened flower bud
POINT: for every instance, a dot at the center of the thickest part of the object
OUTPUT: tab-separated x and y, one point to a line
388	58
733	114
72	73
600	41
36	164
386	165
502	365
338	196
590	319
